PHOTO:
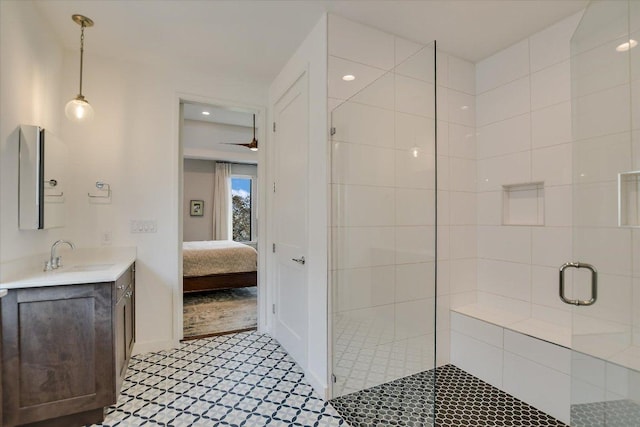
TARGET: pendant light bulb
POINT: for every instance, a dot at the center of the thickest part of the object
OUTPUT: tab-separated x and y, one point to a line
78	109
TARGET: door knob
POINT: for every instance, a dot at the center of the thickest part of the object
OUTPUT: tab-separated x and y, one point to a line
300	260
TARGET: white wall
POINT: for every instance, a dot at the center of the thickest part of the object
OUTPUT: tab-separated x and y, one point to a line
312	55
132	144
523	117
30	75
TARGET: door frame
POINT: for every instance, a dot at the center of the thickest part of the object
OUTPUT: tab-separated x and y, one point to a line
263	283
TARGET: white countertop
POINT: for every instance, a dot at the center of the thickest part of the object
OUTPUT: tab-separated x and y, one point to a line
82	265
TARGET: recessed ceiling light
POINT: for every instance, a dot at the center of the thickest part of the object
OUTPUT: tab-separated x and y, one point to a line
627	45
348	77
205	113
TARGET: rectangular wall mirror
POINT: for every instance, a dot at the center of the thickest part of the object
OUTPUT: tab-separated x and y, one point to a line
42	179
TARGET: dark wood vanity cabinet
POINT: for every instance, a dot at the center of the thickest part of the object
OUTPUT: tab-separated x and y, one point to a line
61	348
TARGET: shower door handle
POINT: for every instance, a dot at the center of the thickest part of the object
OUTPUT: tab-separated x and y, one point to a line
594	284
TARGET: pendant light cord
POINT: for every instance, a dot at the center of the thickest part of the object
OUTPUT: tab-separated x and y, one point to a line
81	54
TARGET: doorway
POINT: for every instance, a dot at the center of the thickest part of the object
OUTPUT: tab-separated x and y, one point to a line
220	219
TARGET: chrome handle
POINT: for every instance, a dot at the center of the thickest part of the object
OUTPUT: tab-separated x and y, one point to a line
300	260
594	284
128	294
120	287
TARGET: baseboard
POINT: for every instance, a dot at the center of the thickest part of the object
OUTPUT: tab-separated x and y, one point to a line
318	385
151	346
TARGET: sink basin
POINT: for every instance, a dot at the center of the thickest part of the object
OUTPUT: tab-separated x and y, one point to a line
88	267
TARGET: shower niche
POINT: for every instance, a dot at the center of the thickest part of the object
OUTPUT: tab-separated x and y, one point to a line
523	204
628	199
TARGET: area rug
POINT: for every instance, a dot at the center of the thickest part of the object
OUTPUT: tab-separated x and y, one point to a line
217	312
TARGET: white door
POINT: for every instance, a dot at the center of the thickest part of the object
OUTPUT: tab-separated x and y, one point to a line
291	140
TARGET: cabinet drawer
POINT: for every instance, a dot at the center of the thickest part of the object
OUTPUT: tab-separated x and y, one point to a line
124	282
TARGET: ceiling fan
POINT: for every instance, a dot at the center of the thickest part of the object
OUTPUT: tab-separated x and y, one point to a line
253	145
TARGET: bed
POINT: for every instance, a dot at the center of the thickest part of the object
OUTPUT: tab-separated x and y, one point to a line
218	264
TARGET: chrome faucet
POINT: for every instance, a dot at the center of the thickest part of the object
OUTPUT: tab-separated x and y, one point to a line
55	261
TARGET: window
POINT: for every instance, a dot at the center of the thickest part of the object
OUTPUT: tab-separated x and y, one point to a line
241	208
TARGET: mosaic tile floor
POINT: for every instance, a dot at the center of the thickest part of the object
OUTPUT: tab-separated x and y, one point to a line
616	413
462	400
243	379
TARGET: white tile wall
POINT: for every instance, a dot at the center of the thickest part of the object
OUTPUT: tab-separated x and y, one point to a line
476	357
495	172
339	67
364	124
550	246
552	165
504	278
504	67
503	102
505	137
362	206
462	141
490	208
505	243
414	97
550	45
551	86
523	114
551	125
414	281
360	43
538	385
602	113
412	206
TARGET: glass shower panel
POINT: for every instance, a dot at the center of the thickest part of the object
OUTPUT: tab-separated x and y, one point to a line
383	253
605	383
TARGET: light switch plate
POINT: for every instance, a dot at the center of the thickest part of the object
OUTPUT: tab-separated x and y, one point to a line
144	226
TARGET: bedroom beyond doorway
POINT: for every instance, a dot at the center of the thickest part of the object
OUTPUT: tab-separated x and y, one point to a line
220	233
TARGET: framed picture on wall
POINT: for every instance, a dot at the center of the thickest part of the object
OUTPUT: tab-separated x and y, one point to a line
197	208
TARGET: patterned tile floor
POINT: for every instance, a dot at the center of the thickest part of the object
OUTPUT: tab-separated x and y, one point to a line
247	379
462	400
243	379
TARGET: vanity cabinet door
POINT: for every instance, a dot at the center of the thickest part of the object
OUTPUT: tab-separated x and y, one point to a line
120	314
57	353
130	322
124	315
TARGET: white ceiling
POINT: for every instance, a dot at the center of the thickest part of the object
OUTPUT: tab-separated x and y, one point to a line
218	114
252	39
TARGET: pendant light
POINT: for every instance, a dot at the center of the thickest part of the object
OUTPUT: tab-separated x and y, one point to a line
79	109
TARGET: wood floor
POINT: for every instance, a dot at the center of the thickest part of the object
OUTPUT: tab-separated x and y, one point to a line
217	312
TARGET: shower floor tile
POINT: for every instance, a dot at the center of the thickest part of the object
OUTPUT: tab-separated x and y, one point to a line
615	413
462	400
